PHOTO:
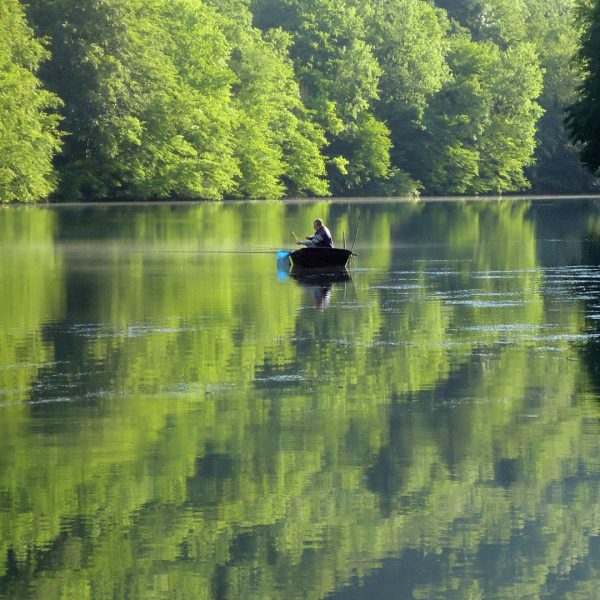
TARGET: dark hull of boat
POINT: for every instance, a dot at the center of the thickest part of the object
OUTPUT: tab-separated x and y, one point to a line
320	258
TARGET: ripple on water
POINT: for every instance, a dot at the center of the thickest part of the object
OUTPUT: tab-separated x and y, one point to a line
101	331
407	286
505	327
487	303
280	377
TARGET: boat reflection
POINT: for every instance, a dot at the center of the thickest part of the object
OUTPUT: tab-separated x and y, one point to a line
320	282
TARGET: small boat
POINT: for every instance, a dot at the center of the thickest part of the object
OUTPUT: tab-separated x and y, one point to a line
319	258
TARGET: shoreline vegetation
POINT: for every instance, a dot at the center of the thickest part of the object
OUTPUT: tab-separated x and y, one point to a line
196	100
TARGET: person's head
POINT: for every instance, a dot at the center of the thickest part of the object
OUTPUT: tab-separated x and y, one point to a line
317	224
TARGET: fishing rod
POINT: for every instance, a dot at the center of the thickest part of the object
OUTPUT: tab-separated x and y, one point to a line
262	251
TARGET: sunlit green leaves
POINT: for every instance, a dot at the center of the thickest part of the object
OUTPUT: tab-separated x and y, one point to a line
339	78
277	144
148	105
214	99
28	120
477	132
549	27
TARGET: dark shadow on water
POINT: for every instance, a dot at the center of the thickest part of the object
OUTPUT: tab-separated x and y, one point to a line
506	471
328	276
591	356
591	350
208	486
320	282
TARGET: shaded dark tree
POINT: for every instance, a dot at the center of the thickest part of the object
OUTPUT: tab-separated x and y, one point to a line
583	116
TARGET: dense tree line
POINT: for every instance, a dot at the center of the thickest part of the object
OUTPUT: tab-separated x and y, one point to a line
265	98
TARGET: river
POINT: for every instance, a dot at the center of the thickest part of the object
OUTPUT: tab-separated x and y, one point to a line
182	419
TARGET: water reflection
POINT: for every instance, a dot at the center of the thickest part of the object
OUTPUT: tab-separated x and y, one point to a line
320	282
181	424
591	257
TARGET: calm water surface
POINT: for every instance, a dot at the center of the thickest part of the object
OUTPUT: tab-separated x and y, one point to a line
181	423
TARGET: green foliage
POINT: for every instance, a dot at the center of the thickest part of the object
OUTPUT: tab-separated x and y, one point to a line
277	144
365	148
510	142
557	167
147	92
28	121
176	99
583	115
549	26
502	21
409	41
386	80
477	133
269	98
339	77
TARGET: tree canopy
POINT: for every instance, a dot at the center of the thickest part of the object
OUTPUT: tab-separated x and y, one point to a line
28	131
583	116
217	99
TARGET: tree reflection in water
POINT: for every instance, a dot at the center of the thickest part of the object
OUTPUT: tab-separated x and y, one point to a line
173	424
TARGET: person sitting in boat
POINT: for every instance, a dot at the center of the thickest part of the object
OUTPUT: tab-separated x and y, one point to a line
321	239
